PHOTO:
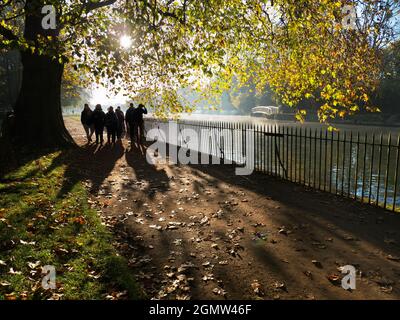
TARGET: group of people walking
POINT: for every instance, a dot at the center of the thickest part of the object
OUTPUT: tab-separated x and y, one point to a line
116	123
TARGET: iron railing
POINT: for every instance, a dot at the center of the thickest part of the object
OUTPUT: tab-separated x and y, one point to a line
362	166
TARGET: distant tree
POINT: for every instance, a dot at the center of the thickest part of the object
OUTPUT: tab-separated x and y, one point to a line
10	78
388	95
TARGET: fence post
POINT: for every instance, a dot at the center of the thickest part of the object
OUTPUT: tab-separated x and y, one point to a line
325	158
371	168
387	169
337	162
287	152
356	173
364	168
309	158
300	149
331	164
379	169
306	151
396	175
320	160
351	157
262	138
315	160
291	153
344	162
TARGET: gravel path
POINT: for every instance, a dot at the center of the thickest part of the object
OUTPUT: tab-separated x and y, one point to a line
200	232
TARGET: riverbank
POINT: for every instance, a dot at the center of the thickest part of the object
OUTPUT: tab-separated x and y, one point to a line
202	232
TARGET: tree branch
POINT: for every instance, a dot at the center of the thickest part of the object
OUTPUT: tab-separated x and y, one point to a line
7	33
91	5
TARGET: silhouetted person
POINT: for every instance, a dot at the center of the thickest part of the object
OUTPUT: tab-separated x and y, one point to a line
8	128
98	117
86	120
111	123
121	123
130	120
138	123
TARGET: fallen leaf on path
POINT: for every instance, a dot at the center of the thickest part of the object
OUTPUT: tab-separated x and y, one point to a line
178	242
387	290
12	271
208	277
393	258
185	267
157	227
60	251
33	265
79	220
219	292
10	296
139	220
257	289
334	279
219	214
281	286
174	225
26	243
317	264
56	296
260	236
204	221
283	231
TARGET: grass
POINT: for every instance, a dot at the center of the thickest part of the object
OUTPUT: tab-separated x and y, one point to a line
38	227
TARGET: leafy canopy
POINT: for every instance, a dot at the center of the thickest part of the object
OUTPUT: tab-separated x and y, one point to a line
302	49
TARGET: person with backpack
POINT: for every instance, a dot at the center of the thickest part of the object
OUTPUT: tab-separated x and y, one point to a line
130	122
121	123
139	123
98	117
111	123
86	120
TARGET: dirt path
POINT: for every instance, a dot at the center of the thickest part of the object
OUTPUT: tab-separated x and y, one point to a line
201	232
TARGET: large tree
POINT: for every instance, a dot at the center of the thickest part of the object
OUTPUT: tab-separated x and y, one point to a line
300	48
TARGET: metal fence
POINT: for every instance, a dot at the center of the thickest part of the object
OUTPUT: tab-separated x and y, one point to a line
356	165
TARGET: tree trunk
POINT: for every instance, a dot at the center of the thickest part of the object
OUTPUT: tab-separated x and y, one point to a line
38	115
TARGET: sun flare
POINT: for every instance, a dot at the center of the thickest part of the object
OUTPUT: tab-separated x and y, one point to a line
125	41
